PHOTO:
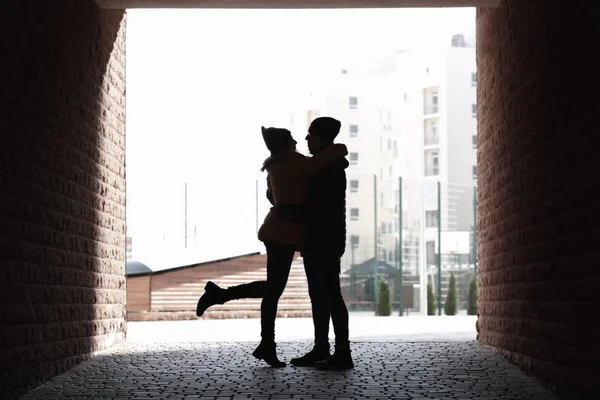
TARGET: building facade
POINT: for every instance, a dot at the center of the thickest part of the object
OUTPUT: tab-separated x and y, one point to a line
409	122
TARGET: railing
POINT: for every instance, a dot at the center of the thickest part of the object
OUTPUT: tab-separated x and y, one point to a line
377	234
431	109
431	140
432	171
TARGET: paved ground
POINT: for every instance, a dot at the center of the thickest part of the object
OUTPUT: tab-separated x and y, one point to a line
364	327
142	368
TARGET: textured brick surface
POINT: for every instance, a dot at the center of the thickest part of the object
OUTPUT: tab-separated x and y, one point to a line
538	163
62	186
457	370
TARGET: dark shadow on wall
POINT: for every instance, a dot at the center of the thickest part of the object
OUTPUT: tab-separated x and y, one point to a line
62	187
538	155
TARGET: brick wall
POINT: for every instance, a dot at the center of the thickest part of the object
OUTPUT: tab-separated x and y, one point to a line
538	85
62	186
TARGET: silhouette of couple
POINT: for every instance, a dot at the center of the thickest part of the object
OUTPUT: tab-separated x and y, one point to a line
308	195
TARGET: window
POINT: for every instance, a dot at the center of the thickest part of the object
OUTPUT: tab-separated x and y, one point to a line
474	141
390	228
390	172
390	257
384	228
474	171
354	241
353	158
405	97
430	246
353	130
474	79
431	219
389	143
354	186
384	254
434	167
434	103
354	214
474	110
353	102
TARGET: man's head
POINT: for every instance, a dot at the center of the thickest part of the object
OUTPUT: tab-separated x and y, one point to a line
321	133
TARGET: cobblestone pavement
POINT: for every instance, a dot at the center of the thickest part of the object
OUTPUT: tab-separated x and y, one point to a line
398	370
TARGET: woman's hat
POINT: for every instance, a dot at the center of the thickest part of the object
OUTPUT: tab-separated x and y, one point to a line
275	138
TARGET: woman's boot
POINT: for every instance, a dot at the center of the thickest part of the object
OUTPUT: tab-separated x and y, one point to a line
268	353
215	295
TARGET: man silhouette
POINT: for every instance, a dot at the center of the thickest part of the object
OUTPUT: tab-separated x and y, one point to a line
325	243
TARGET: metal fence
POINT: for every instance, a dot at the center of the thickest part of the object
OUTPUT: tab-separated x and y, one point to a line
407	232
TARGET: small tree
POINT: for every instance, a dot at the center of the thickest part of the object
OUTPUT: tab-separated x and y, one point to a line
431	302
472	306
384	302
451	305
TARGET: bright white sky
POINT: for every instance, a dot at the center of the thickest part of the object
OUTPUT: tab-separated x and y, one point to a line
200	83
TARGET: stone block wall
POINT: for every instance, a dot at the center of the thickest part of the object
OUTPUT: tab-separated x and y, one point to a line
62	187
538	157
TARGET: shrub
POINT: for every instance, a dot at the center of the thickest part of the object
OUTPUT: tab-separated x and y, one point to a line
431	301
384	301
451	305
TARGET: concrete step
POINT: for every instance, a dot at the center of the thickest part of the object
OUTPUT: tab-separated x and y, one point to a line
224	282
237	307
194	300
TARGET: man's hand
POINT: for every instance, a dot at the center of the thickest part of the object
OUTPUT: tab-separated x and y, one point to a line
342	146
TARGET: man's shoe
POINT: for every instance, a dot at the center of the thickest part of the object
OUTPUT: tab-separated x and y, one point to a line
268	353
340	360
312	357
213	295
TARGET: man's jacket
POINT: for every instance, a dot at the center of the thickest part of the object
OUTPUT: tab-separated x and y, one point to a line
325	225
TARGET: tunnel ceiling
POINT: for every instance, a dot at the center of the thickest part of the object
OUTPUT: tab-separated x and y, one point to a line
120	4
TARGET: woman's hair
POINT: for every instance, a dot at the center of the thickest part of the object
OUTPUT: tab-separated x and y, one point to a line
276	140
268	162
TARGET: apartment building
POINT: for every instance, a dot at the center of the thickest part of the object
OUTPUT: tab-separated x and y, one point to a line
438	116
362	103
411	115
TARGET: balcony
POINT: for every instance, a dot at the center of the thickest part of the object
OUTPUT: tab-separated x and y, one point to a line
432	171
432	140
431	109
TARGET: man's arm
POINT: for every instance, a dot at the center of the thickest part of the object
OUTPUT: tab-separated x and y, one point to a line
312	165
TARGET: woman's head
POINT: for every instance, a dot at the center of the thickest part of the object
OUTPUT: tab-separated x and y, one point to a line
278	140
